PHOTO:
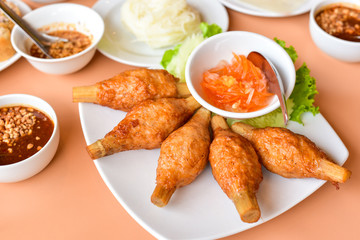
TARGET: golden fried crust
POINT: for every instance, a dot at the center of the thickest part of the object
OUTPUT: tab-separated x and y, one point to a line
288	154
4	20
147	125
129	88
184	154
6	49
6	25
234	163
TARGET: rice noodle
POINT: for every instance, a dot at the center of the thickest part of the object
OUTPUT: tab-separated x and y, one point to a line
160	23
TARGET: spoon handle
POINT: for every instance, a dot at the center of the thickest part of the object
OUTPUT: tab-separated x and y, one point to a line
277	87
274	80
32	33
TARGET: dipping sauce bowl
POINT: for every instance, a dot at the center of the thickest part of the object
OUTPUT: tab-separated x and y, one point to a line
60	17
337	35
33	164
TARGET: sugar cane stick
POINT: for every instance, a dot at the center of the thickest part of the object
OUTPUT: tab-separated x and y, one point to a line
247	206
161	195
236	168
182	90
85	94
334	172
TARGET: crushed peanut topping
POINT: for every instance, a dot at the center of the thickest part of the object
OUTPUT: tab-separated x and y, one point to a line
15	122
77	42
23	132
340	21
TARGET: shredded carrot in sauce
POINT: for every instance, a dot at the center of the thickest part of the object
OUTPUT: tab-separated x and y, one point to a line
238	86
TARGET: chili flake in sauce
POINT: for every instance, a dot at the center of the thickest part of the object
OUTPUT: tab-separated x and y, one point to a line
340	21
23	132
77	42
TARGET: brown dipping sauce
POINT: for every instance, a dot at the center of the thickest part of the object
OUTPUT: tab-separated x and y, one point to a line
340	21
77	42
23	132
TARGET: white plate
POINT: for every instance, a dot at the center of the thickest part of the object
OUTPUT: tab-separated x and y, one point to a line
48	1
119	44
200	210
242	7
24	8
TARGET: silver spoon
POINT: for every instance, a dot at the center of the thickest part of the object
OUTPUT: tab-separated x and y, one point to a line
42	40
274	80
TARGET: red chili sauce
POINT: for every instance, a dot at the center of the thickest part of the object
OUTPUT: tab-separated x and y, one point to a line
23	132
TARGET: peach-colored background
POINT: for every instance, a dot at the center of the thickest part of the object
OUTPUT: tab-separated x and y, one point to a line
69	200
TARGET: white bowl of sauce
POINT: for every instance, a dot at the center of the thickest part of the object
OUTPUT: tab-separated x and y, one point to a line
65	20
29	136
228	97
335	28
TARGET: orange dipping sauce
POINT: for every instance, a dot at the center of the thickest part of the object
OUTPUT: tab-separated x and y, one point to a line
238	86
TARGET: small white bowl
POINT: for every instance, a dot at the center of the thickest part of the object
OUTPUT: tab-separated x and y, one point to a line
61	16
221	47
340	49
30	166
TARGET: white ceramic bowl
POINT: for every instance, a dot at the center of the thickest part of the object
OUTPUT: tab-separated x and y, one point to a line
335	47
220	47
29	167
60	16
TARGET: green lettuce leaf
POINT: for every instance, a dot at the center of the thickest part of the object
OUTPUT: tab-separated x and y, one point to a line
272	119
290	50
209	30
174	60
300	101
303	94
168	55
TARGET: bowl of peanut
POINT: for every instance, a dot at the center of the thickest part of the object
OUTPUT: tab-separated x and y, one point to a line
29	136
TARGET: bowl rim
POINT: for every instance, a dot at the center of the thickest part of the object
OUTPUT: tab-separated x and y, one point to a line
53	118
93	45
239	115
316	8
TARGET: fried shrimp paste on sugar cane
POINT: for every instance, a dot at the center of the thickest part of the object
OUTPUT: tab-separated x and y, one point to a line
291	155
183	156
129	88
146	126
236	168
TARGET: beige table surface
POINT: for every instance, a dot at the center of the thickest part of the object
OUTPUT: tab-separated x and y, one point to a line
69	200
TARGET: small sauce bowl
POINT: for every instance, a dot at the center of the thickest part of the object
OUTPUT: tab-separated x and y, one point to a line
32	165
55	17
336	47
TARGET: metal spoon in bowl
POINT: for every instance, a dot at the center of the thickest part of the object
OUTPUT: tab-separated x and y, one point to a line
42	40
274	79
